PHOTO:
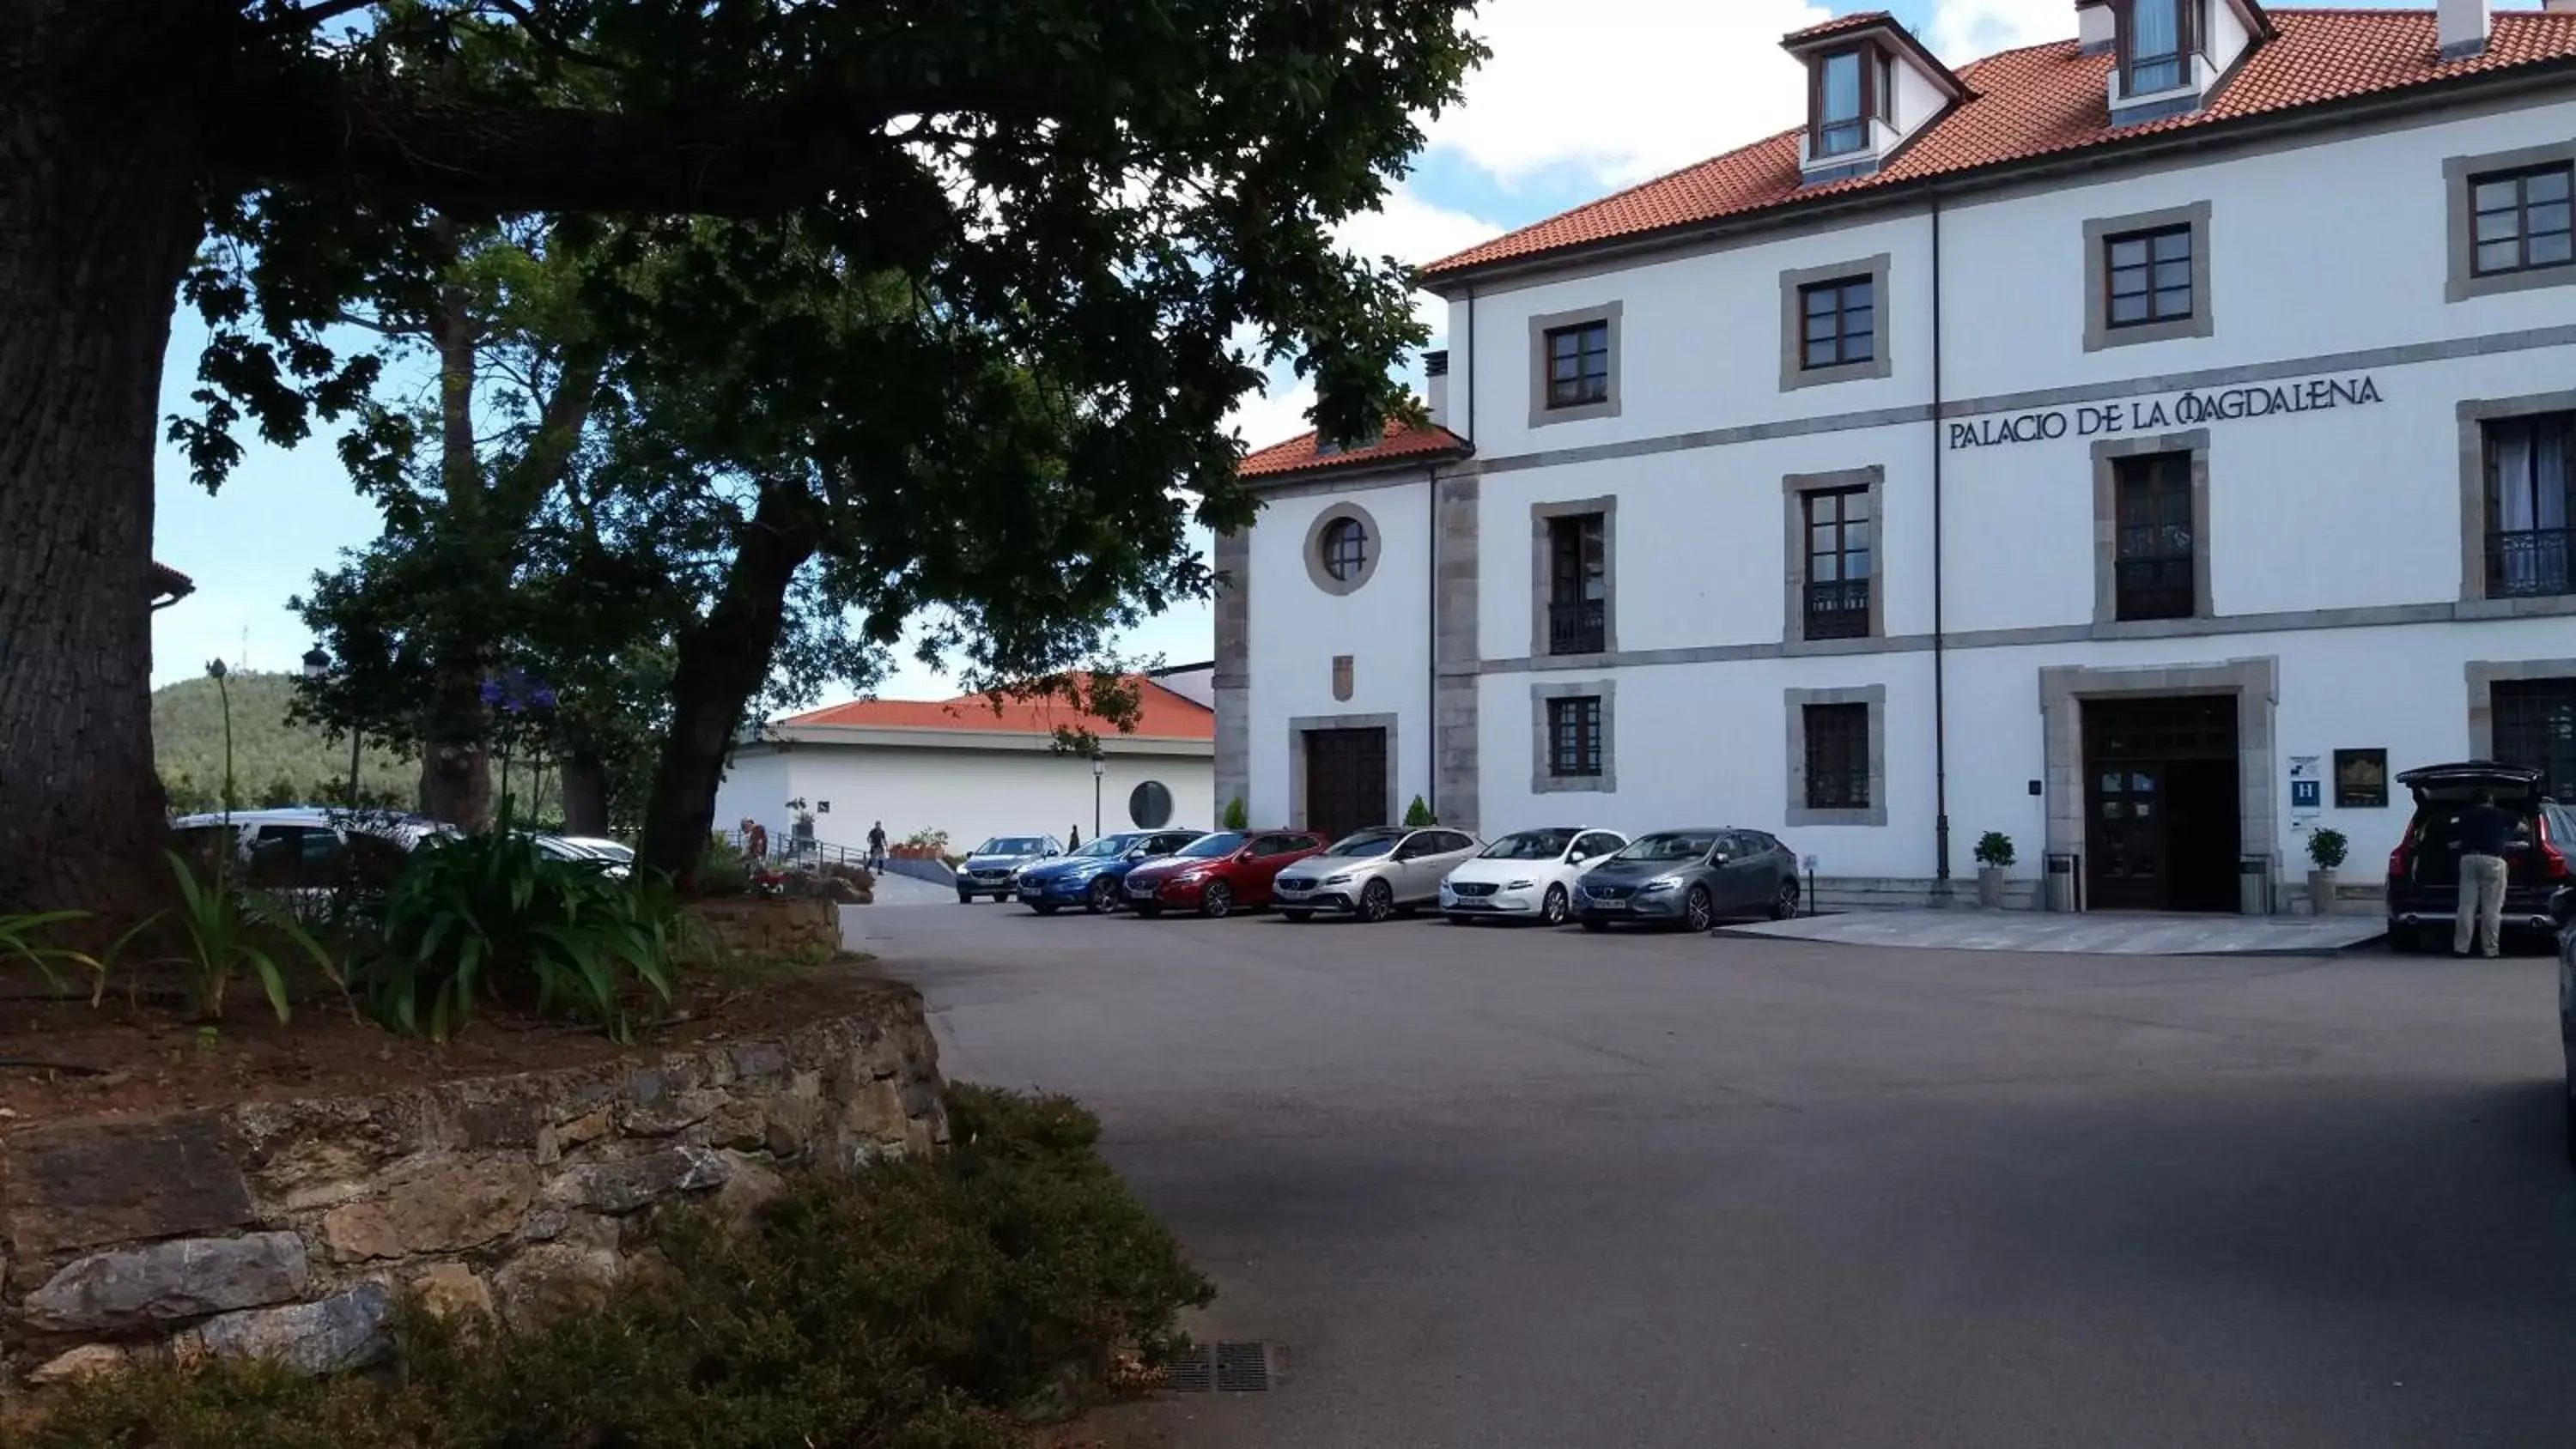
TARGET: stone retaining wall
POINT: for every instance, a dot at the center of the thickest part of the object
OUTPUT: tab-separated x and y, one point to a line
286	1228
803	929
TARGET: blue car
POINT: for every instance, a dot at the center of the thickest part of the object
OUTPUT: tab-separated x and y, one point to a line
1089	877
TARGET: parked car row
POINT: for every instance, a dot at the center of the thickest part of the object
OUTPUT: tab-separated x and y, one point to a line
1549	876
311	848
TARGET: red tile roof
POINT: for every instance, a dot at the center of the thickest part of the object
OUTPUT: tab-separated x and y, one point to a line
1836	26
168	583
1161	714
2047	100
1298	455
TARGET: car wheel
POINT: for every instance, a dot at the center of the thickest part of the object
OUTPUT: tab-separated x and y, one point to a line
1102	898
1043	910
1590	924
1551	910
1298	917
2404	940
1217	902
1697	911
1377	901
965	898
1785	904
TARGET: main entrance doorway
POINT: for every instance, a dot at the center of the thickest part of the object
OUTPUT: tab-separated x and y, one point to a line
2160	803
1345	781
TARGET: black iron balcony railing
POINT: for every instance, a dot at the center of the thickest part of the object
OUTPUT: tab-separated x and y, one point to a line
2530	563
1577	628
1838	610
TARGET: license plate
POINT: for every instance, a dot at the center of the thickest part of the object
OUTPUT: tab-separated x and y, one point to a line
1601	904
1140	888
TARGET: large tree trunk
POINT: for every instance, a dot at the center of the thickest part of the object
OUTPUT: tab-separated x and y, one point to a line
455	757
97	220
721	662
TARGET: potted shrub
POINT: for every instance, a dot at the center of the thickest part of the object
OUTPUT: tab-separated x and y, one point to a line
1994	861
2326	847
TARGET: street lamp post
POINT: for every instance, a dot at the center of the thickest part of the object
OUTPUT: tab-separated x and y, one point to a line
317	665
1099	767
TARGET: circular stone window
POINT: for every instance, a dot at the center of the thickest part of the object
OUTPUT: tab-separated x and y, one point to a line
1150	805
1342	548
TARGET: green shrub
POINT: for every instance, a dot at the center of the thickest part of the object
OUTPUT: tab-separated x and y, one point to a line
722	870
1995	848
1418	815
2327	847
492	916
227	930
1235	817
926	1304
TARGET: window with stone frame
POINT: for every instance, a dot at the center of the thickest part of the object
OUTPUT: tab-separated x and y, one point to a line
2530	504
2155	574
1574	745
1837	756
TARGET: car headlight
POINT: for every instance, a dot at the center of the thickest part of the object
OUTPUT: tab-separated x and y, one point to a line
1652	886
1520	885
1343	879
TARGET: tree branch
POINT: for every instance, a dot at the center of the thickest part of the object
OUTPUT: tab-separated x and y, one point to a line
387	139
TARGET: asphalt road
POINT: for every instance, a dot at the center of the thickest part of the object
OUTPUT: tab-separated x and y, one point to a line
1494	1188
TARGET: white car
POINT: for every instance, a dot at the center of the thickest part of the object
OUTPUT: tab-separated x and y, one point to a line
1526	876
601	846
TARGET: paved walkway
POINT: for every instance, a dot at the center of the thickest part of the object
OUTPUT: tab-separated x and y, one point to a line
2104	933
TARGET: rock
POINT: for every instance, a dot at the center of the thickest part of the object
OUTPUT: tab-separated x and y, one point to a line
668	1113
783	1140
587	1128
311	1153
90	1360
448	1289
748	1188
343	1331
739	1125
458	1205
554	1277
877	1110
113	1182
629	1183
169	1281
754	1061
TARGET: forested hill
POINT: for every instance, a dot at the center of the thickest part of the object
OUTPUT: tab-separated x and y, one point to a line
273	761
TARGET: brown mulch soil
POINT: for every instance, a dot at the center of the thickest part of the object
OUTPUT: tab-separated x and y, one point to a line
145	1056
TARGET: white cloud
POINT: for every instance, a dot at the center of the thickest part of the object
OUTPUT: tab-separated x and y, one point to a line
1415	231
1262	419
1963	30
1626	88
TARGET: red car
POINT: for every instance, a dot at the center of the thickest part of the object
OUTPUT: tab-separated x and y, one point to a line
1215	874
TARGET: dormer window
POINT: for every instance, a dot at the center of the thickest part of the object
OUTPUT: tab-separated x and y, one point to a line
1862	72
1853	87
2156	45
1842	95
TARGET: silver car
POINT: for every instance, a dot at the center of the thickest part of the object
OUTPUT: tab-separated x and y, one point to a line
993	868
1374	873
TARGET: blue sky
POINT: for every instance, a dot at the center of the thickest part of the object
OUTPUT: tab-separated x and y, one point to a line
1708	76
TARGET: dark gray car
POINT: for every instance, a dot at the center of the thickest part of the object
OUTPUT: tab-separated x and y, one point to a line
1690	878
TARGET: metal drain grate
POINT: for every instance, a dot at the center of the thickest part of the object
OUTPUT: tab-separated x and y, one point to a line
1242	1368
1225	1368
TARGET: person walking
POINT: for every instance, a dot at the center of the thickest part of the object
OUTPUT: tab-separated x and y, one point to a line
876	846
2484	829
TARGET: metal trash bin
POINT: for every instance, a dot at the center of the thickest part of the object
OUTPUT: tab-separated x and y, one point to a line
2254	885
2062	897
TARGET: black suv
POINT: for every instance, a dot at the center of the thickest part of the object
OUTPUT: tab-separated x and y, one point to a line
2424	869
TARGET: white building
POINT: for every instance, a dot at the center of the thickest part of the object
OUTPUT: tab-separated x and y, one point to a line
2143	446
975	769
